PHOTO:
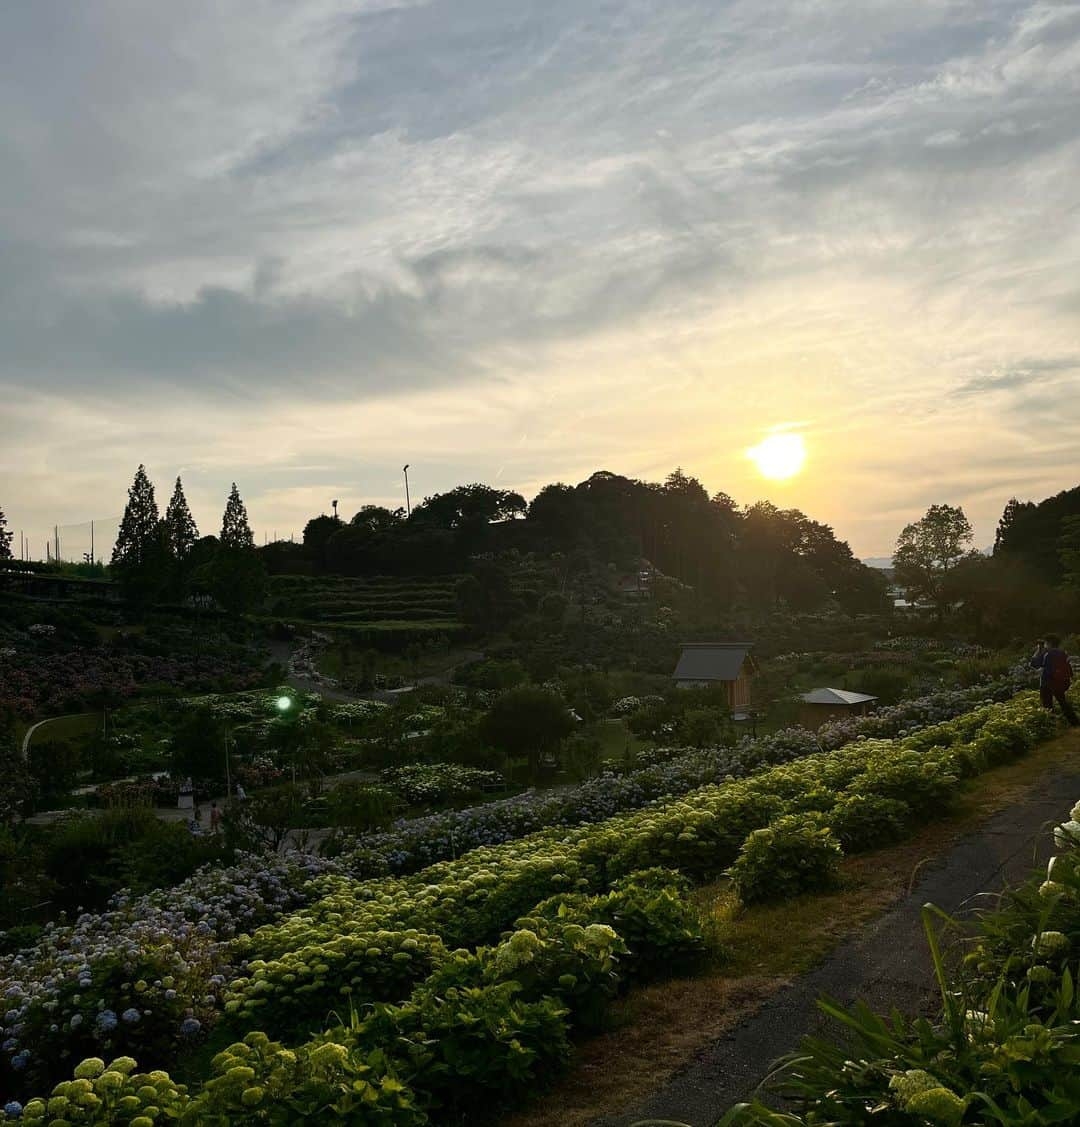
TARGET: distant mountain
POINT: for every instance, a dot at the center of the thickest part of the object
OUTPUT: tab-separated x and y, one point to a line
878	561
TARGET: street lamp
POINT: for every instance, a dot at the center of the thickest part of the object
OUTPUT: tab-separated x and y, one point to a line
283	704
408	503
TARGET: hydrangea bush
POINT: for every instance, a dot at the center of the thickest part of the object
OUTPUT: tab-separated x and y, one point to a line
149	975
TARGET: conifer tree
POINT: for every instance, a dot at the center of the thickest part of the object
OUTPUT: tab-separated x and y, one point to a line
239	573
139	526
235	530
140	558
5	538
180	525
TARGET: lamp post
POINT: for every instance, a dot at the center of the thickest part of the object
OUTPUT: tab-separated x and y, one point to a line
283	704
408	503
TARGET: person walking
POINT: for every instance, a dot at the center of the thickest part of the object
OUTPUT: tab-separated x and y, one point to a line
1057	675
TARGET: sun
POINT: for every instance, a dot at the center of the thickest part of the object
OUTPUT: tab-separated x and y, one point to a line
779	456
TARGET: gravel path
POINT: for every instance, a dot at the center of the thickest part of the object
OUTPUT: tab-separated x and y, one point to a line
887	965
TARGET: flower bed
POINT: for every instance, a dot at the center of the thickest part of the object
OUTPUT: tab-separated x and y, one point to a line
489	1023
419	783
192	925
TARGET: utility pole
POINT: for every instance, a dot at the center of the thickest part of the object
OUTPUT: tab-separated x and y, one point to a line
56	539
408	503
91	542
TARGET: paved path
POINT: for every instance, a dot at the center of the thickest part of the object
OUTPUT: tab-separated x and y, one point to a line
887	965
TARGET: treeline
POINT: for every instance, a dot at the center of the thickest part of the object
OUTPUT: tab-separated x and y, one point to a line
759	556
1030	584
165	559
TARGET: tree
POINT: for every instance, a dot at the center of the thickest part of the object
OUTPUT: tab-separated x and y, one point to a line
928	550
180	528
1069	552
140	556
528	721
238	574
317	533
235	530
5	538
138	526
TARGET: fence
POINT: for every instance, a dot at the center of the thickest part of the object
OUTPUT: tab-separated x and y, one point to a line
86	542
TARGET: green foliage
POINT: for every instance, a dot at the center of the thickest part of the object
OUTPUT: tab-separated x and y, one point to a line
197	746
792	855
259	1081
1003	1051
528	721
491	674
359	806
928	550
90	856
475	1046
704	727
111	1095
294	994
650	913
868	821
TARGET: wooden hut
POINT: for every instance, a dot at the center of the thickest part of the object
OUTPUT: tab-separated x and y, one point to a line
704	664
823	705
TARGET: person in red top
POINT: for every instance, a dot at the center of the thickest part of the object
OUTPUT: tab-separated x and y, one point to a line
1057	675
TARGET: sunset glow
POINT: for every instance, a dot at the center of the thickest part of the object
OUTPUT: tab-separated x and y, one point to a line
779	456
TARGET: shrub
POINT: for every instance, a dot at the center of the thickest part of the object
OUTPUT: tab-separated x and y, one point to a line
867	821
297	991
109	1094
470	1048
260	1081
792	855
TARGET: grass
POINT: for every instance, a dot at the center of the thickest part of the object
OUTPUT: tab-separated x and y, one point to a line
430	662
756	952
616	737
76	726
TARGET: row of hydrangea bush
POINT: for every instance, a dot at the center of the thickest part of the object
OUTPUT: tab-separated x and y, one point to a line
486	1013
150	972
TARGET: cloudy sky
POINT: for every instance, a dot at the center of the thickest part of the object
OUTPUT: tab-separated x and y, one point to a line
299	244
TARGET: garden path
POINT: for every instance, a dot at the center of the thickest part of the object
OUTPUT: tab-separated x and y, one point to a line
886	965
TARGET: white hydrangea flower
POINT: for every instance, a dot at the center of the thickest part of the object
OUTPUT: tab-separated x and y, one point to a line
1068	833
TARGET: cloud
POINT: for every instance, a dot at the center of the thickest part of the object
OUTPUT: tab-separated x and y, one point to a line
537	238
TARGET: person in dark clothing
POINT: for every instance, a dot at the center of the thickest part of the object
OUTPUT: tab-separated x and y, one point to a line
1056	676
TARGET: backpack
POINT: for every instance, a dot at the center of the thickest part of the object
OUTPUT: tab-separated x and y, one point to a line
1059	673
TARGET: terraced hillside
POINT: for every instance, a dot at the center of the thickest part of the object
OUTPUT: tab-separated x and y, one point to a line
377	608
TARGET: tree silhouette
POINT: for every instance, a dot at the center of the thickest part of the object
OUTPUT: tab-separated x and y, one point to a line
180	525
140	557
239	575
138	527
235	530
928	550
5	538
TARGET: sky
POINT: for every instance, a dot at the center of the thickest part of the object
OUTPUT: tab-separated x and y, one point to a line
299	245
